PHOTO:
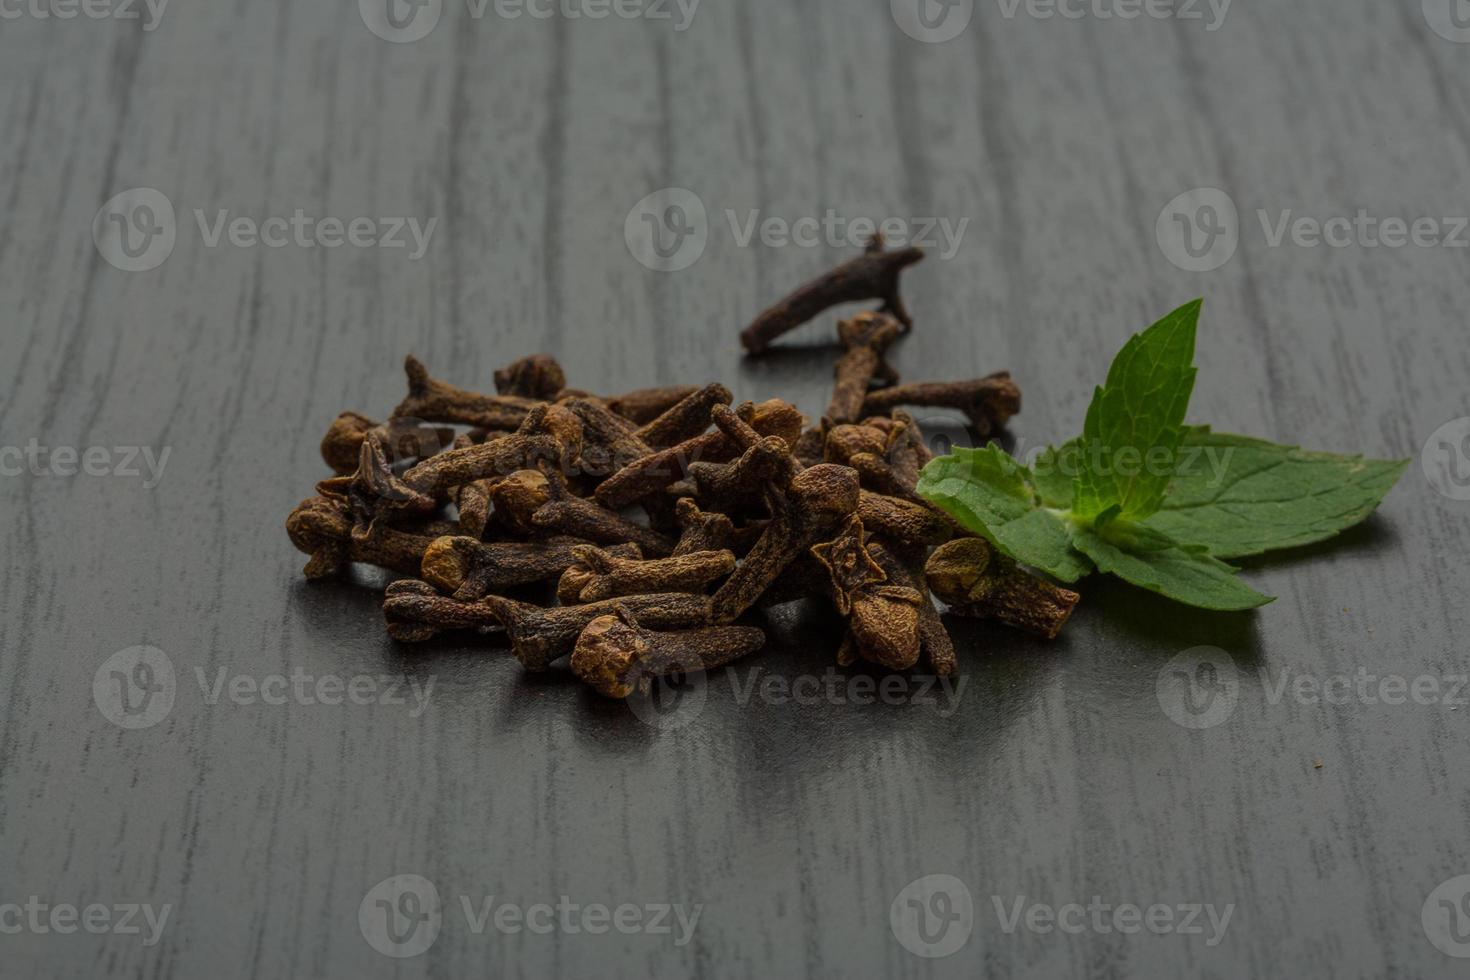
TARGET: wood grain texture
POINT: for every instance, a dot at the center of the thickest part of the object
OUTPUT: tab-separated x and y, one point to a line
1055	775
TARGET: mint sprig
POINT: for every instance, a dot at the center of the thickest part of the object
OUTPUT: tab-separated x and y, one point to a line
1142	496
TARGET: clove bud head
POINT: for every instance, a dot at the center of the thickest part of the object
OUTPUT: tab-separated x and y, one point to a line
975	580
607	656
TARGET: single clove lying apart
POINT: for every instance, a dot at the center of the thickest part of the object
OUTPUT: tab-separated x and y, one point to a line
618	657
975	580
872	275
661	516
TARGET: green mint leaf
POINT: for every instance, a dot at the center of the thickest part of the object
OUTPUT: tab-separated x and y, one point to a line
1053	474
1136	419
1238	496
1152	560
991	494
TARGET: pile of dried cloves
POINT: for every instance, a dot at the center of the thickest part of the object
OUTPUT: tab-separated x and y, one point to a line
665	517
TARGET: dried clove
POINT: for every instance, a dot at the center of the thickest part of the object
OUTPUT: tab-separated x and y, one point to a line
872	275
988	402
864	338
883	618
601	574
812	504
905	570
539	636
438	401
403	439
322	528
538	376
428	484
701	531
975	580
646	404
415	612
662	468
609	440
565	513
685	420
469	569
618	657
902	521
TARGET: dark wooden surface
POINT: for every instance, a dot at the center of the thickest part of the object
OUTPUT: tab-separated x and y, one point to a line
1054	775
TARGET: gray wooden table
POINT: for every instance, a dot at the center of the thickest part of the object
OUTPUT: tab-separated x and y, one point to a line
270	766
